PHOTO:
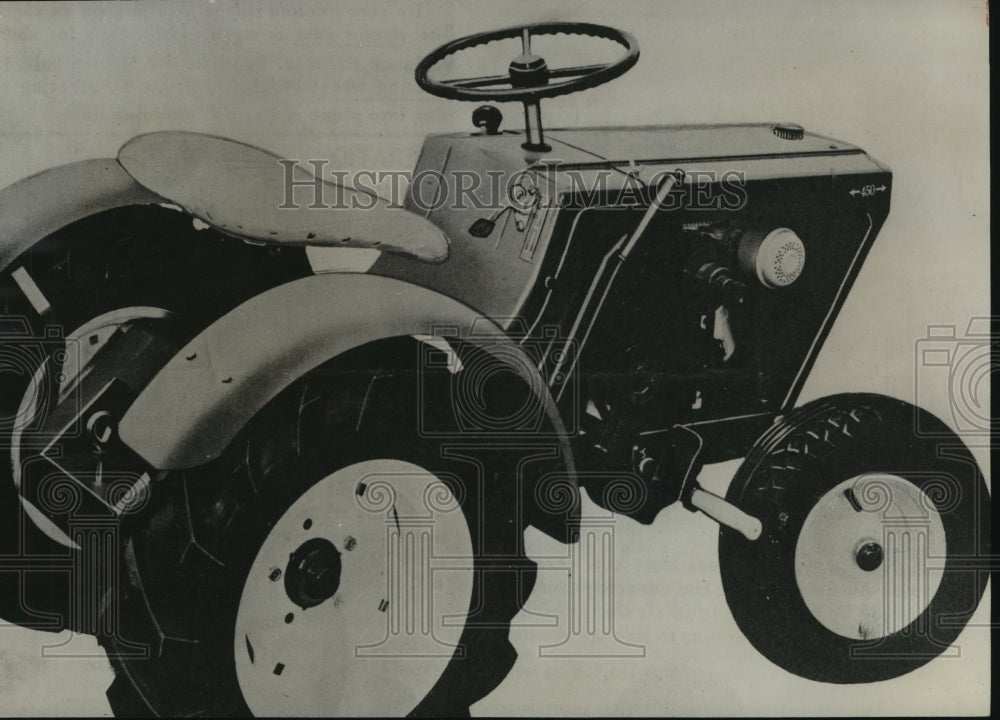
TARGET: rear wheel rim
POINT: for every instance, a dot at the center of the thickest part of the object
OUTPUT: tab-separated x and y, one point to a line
381	561
870	556
70	366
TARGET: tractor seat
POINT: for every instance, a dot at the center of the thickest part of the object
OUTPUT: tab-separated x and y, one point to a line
243	191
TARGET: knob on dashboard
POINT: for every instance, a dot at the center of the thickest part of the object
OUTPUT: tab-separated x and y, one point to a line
488	118
776	257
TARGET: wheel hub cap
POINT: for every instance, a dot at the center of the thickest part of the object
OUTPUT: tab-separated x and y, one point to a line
870	556
313	573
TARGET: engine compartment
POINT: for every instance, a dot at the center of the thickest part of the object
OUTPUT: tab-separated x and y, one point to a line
723	303
672	338
711	338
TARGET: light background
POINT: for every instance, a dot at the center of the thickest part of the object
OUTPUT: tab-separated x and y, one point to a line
908	81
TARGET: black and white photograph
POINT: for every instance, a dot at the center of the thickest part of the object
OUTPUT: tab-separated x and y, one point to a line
495	358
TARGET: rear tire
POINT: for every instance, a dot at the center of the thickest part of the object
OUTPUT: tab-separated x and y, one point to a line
118	262
191	563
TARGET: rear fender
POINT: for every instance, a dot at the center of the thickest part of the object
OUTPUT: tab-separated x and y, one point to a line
35	207
200	400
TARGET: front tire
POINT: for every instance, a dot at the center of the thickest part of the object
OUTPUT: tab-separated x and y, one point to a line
868	564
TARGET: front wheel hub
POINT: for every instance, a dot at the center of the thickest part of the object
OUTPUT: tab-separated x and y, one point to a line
874	521
313	573
869	556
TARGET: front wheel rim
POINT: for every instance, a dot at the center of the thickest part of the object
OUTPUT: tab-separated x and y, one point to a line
870	556
380	558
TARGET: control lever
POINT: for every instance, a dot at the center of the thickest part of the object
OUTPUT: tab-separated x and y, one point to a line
666	186
606	278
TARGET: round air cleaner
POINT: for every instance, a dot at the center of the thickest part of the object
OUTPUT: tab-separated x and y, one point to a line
776	257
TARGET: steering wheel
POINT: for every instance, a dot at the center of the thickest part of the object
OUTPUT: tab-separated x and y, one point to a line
528	76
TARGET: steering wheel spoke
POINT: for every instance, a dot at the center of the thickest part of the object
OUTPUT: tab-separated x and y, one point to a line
580	71
478	82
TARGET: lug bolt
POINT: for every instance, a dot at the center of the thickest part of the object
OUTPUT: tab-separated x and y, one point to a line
350	543
274	575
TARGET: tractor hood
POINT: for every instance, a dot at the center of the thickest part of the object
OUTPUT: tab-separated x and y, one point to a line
686	143
252	194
